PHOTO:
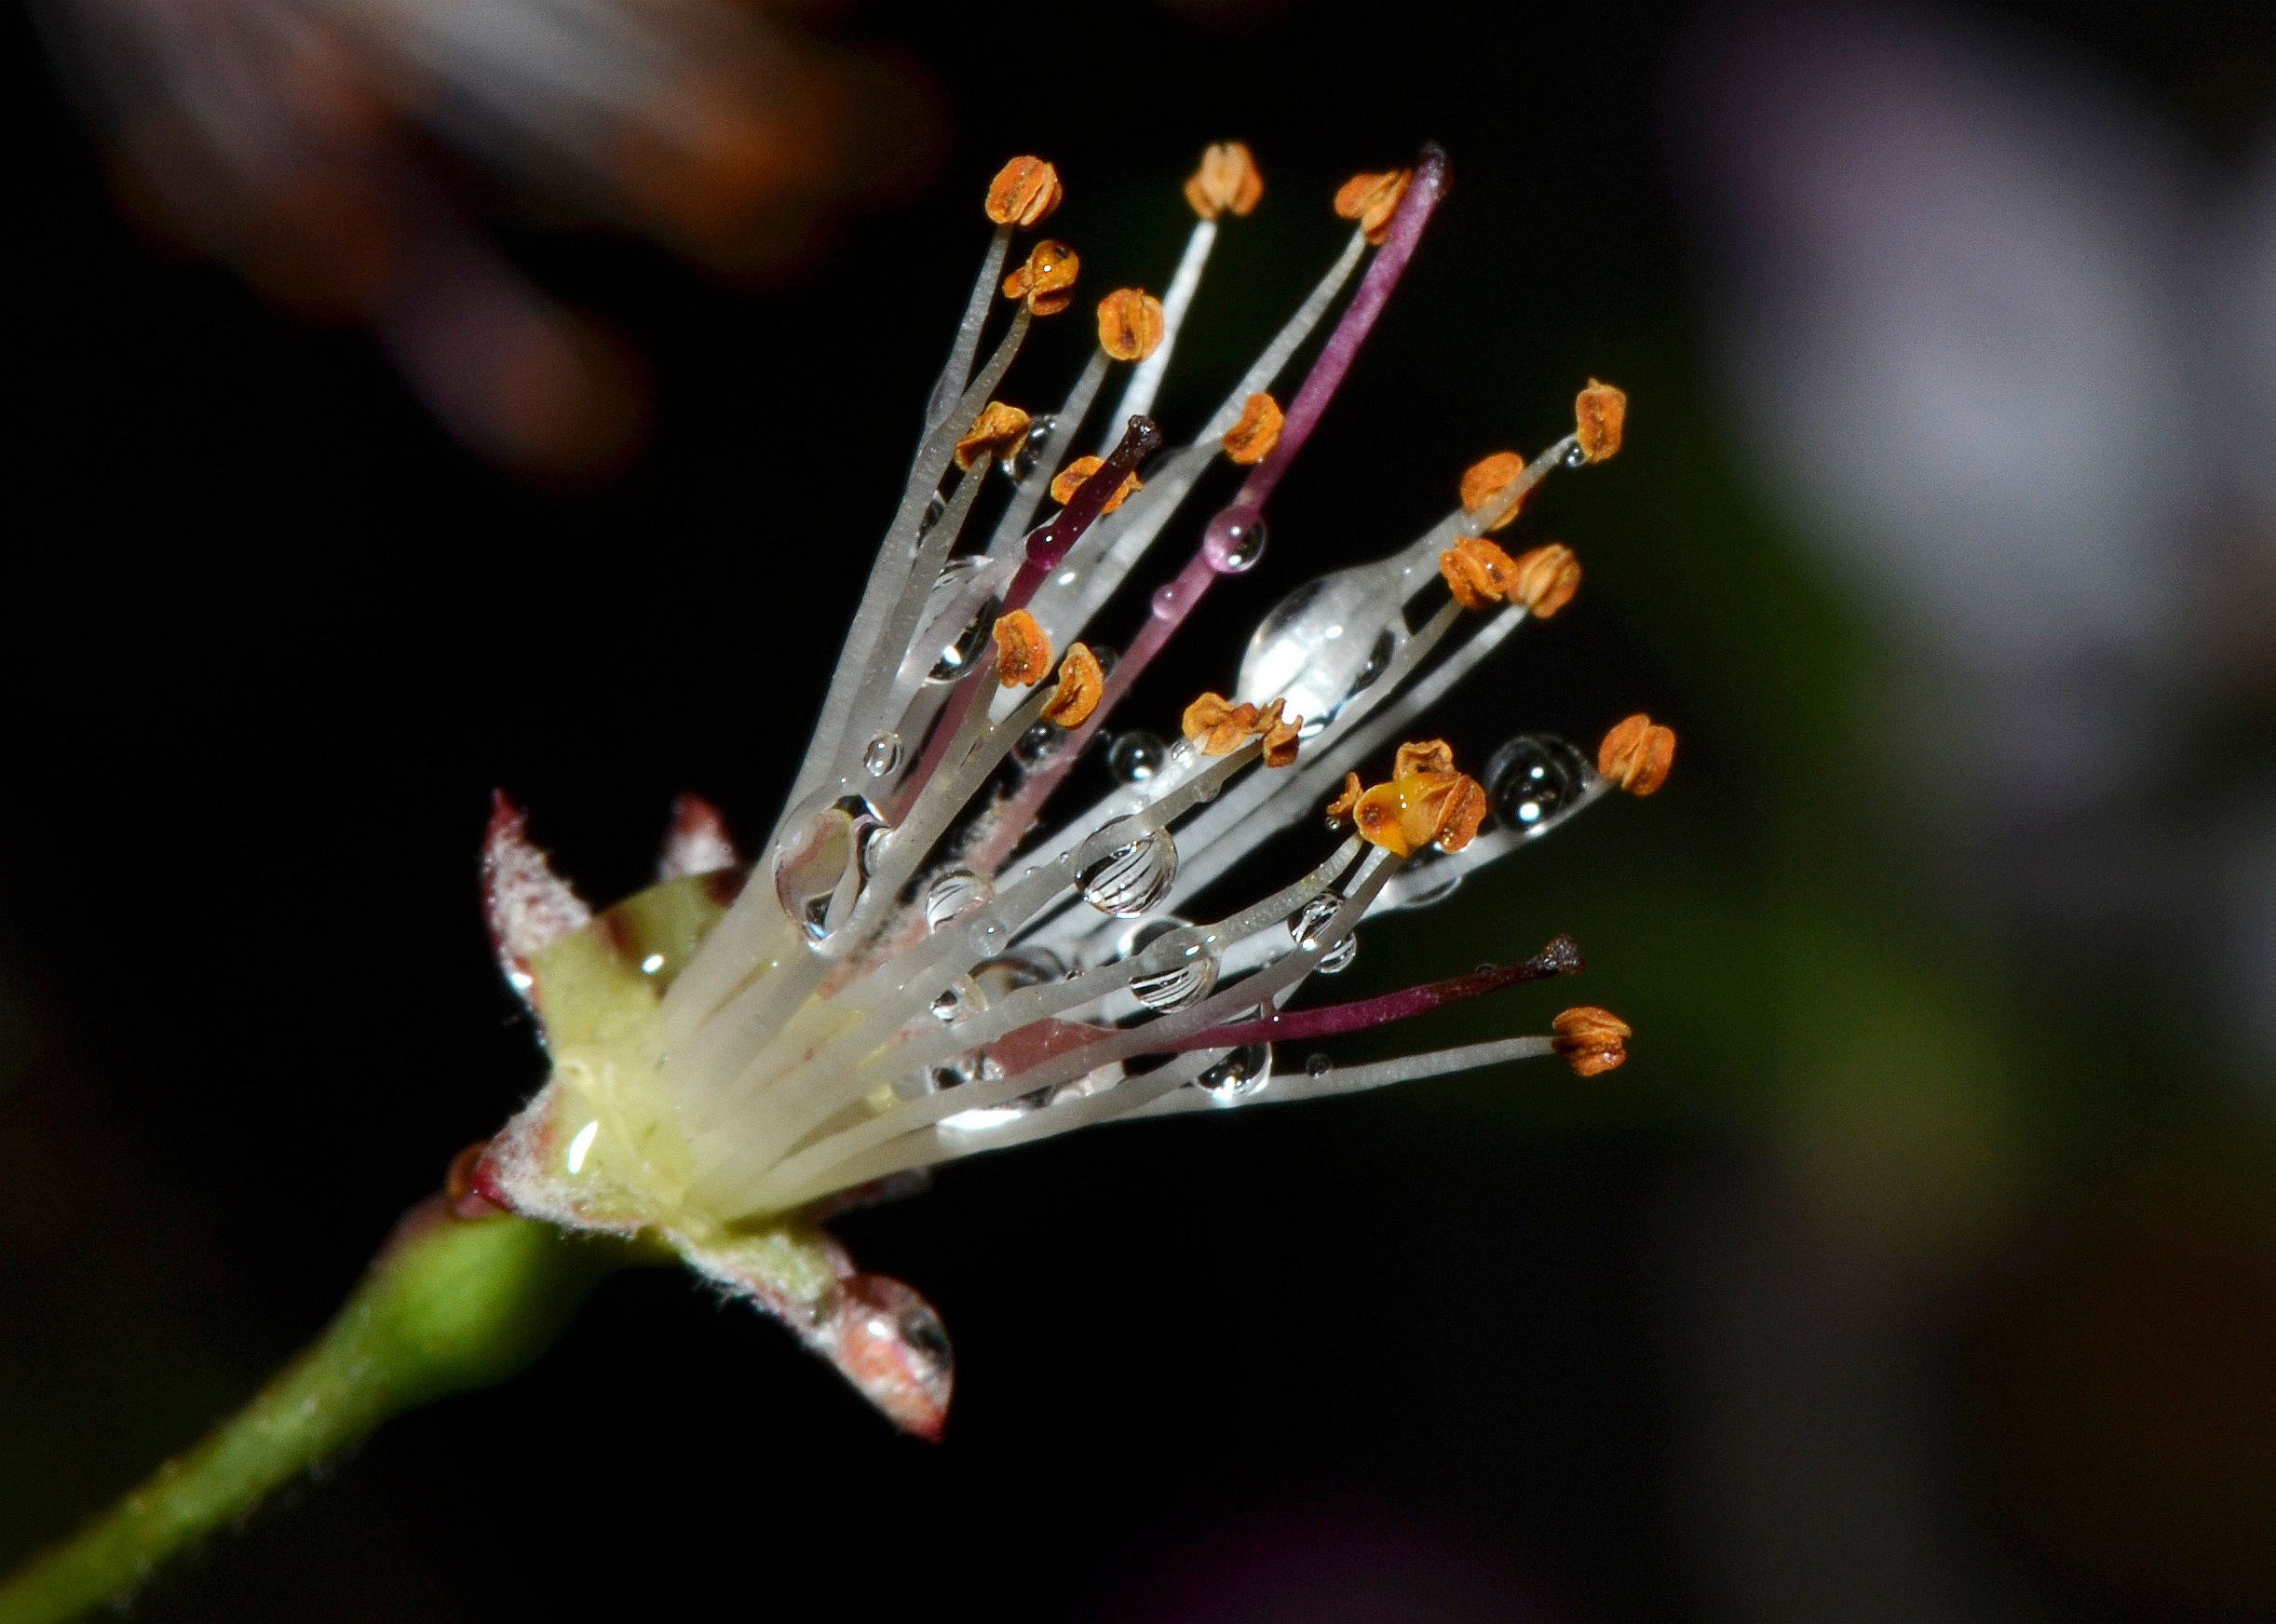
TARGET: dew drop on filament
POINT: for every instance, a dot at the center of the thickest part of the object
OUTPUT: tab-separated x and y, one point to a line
954	894
960	1000
1038	746
1175	966
883	754
1136	756
1131	879
1234	540
1533	776
963	647
1305	928
1021	460
1239	1075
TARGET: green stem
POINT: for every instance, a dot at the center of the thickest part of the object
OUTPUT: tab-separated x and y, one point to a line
450	1304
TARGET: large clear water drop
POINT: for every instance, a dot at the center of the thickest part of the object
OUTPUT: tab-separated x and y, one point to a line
820	866
882	755
1325	640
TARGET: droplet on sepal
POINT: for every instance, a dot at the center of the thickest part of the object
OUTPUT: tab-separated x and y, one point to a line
954	894
1132	877
1137	756
1533	776
1239	1074
1305	927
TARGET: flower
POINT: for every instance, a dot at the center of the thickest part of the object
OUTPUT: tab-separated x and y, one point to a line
919	966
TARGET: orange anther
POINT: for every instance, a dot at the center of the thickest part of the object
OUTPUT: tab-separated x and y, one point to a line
1227	182
1251	439
1024	191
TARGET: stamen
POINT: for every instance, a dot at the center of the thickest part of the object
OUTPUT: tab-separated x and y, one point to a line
1252	439
1637	755
1024	192
1080	683
997	431
1592	1040
1329	1080
1561	957
1131	324
1022	652
1046	281
1601	412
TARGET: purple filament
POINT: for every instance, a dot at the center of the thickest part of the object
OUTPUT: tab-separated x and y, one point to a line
1049	543
1562	957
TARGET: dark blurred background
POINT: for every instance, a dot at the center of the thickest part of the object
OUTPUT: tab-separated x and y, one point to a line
1921	1265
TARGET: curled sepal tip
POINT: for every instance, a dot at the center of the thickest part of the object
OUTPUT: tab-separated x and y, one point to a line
525	904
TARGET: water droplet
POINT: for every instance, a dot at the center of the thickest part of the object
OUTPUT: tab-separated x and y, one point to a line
987	937
1305	927
1234	540
960	1000
958	653
968	1069
935	506
1533	776
821	866
1131	879
1021	459
1038	746
1137	756
1171	599
953	895
1427	879
1575	457
1239	1074
1176	966
883	754
1009	972
1318	1065
1326	641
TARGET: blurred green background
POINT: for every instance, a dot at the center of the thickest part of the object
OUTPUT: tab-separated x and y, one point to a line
1921	1263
